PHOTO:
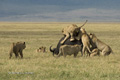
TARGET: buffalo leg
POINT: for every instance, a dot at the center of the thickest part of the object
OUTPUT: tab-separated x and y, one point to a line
89	52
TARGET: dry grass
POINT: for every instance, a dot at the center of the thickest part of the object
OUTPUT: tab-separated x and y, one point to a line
43	66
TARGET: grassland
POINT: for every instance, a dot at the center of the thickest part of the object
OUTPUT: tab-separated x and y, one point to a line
43	66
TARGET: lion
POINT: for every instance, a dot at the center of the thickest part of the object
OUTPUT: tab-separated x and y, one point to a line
71	31
68	31
69	50
41	49
102	47
85	40
17	48
95	52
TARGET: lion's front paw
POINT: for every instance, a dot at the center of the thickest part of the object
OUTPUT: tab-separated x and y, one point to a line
72	39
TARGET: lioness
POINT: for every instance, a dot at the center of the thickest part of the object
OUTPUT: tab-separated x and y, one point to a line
17	48
70	31
85	40
104	48
69	50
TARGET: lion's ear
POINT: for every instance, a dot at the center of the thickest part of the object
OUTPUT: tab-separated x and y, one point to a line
91	35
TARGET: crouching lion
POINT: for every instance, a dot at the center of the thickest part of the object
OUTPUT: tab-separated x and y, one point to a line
17	48
69	50
104	48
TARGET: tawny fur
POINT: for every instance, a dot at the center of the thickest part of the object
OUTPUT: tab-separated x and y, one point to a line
69	50
104	48
68	32
85	40
71	31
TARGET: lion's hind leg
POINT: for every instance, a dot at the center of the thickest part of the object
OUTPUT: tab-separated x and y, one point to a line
83	50
106	51
89	51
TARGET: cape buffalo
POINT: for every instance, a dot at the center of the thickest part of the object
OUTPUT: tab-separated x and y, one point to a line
67	42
